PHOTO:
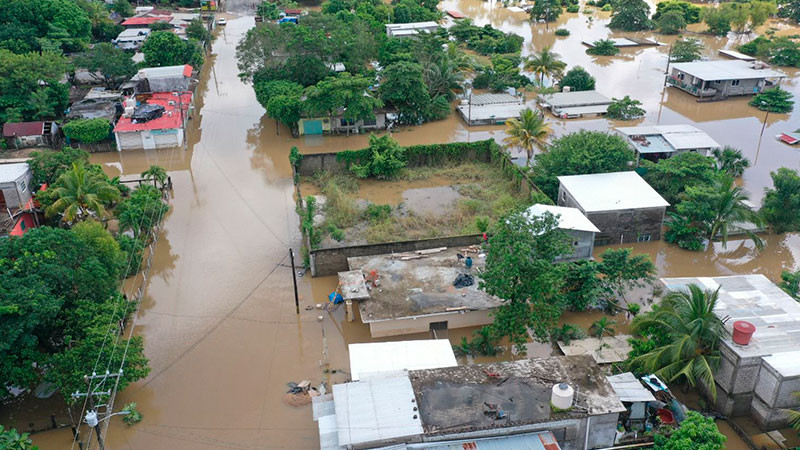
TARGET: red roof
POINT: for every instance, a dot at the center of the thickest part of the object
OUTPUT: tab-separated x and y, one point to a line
23	224
170	120
296	12
145	20
455	14
791	140
23	129
187	70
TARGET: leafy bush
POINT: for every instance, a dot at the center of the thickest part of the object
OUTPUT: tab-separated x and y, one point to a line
133	417
567	333
47	166
603	47
578	79
686	50
625	109
336	233
562	31
141	211
781	207
695	431
133	249
607	7
377	213
384	160
573	9
774	100
88	131
482	224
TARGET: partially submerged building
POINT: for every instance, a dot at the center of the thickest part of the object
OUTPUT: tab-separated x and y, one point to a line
572	221
15	186
417	294
337	124
131	38
621	204
160	79
152	121
718	80
410	29
20	135
758	376
574	104
654	142
491	109
542	403
627	42
372	358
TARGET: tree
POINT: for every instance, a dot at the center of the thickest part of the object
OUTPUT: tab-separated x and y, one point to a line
123	8
774	100
408	11
578	79
403	86
164	48
695	432
631	15
519	269
625	109
579	153
11	440
285	109
141	211
547	10
781	205
80	194
526	132
686	50
267	89
582	285
545	63
343	92
671	22
730	161
384	158
269	11
39	25
603	47
790	283
623	271
718	20
88	131
156	173
671	176
602	327
110	65
198	31
442	78
30	86
47	166
693	332
689	12
160	26
780	51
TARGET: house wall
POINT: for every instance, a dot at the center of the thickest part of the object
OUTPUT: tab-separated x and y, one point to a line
745	87
582	244
19	142
422	324
149	139
17	192
380	124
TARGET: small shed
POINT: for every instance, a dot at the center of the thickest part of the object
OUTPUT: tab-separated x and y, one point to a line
29	134
15	186
633	395
573	222
382	357
574	104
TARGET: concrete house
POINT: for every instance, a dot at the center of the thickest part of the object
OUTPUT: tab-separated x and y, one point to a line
654	142
491	109
573	222
30	134
15	186
757	378
621	204
718	80
410	29
574	104
160	79
338	124
164	131
131	38
499	405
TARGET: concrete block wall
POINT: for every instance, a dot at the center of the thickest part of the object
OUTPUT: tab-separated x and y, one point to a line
627	225
769	418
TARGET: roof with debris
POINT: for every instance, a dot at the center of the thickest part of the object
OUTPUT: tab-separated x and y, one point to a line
611	191
379	357
605	350
629	389
171	119
568	218
676	137
420	285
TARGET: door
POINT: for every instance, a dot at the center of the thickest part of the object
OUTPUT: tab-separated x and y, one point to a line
148	141
312	127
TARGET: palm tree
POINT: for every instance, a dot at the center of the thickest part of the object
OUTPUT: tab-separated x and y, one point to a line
527	131
731	161
442	78
794	416
545	62
729	207
602	327
156	173
79	194
687	322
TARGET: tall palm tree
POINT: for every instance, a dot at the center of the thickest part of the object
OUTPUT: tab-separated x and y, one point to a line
730	161
527	131
602	327
692	330
156	173
729	207
442	78
546	62
79	194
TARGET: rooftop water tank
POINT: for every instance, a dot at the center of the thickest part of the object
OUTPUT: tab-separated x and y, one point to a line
562	396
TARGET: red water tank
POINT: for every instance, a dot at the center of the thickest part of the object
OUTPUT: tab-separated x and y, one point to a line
743	332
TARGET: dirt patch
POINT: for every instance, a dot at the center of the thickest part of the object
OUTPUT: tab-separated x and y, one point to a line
432	200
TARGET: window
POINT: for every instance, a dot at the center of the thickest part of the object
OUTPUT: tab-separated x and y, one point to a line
370	122
348	122
22	226
734	82
22	185
575	243
680	76
643	238
563	196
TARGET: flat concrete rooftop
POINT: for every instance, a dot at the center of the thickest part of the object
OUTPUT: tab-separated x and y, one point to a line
419	287
451	400
756	299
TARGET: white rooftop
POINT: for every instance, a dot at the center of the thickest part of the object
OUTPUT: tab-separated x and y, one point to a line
397	356
576	98
679	137
133	32
12	172
161	72
725	70
611	191
499	112
375	410
410	26
629	388
736	55
568	218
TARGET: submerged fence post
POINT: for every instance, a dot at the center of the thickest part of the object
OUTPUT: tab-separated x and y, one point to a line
294	280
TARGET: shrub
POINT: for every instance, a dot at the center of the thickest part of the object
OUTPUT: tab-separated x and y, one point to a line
567	333
573	9
603	47
774	100
88	131
562	31
578	79
482	224
133	416
384	160
625	109
336	233
377	213
607	7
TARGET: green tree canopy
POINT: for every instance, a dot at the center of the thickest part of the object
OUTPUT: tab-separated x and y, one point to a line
695	432
603	47
545	63
47	166
267	89
730	161
547	10
164	48
717	19
198	31
342	92
37	25
790	283
671	176
781	205
690	12
30	87
79	194
88	131
631	15
578	79
625	108
527	131
671	22
141	211
686	50
385	158
11	439
403	87
774	100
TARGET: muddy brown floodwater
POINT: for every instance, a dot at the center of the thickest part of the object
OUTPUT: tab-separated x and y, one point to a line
218	317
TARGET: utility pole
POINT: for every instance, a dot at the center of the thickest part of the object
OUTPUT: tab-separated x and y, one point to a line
294	280
92	416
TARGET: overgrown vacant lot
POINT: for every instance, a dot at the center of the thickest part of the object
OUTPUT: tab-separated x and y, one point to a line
423	202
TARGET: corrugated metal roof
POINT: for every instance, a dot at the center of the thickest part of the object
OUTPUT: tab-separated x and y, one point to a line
12	172
568	218
612	191
23	129
629	388
679	137
493	99
402	355
725	70
736	55
575	98
534	441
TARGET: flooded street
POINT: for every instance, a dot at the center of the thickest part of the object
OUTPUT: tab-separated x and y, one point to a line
218	317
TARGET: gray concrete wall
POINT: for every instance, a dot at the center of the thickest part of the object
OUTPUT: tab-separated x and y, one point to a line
627	225
330	261
745	87
15	195
422	324
582	244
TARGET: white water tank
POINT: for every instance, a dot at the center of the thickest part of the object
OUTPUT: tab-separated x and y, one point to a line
562	396
567	89
129	111
130	102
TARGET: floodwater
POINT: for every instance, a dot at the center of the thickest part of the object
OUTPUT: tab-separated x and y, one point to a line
218	317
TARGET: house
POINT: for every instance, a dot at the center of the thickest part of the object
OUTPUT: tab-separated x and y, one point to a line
575	224
418	295
131	38
718	80
30	134
491	109
621	204
15	186
654	142
338	124
153	121
561	402
758	372
573	104
382	357
410	29
160	79
94	108
144	21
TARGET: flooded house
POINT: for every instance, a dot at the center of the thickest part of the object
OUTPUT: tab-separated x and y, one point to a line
491	109
410	29
131	38
420	293
759	369
15	186
153	121
572	221
337	124
621	204
30	134
574	104
372	358
718	80
654	142
560	402
160	79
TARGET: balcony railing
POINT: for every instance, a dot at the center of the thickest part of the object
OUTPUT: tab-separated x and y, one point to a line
691	88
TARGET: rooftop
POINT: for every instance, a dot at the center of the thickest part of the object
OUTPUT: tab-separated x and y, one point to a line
419	287
611	191
23	129
451	400
133	21
12	172
184	70
170	120
629	389
411	25
133	32
606	350
575	98
397	356
455	14
497	111
667	138
493	99
626	42
757	300
736	55
726	70
568	218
